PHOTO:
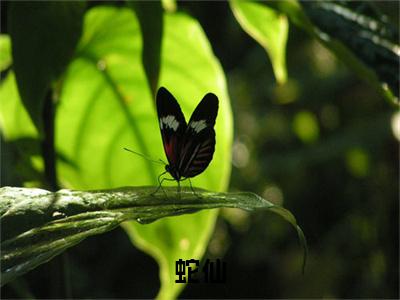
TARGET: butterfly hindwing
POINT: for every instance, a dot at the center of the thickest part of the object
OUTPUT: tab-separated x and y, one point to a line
196	154
172	124
198	143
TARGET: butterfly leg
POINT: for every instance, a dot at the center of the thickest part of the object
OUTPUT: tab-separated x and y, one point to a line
191	187
160	184
179	190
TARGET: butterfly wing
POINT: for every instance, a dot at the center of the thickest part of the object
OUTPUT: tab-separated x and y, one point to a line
198	143
172	124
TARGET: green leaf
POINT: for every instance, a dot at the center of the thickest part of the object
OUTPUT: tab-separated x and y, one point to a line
14	119
169	5
269	28
41	224
44	36
19	133
364	43
106	105
5	52
374	42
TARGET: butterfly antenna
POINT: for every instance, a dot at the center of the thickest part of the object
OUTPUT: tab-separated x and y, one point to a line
160	162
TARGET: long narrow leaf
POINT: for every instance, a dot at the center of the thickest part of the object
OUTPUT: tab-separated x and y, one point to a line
37	224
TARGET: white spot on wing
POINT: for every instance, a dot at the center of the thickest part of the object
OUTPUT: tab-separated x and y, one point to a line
169	122
198	125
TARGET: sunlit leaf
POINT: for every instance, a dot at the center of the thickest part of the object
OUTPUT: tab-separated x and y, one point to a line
18	131
14	119
106	105
268	27
42	224
169	5
5	52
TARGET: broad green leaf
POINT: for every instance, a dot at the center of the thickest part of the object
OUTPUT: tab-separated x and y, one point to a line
41	224
106	105
44	36
268	27
190	69
363	43
5	52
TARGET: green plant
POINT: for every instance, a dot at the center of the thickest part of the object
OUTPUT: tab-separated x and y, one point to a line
90	76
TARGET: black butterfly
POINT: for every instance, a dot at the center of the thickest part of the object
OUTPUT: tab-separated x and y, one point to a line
189	147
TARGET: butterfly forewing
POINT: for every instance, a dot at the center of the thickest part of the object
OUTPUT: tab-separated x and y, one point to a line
198	143
172	124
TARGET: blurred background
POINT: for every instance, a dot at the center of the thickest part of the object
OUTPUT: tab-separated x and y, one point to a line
324	145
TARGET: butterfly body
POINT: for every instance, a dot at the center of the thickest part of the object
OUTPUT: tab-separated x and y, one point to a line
189	147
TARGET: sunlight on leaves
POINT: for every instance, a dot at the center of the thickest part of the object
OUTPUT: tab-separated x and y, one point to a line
267	27
15	122
169	5
5	52
305	125
106	105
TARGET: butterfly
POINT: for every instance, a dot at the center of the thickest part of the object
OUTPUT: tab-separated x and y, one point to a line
189	147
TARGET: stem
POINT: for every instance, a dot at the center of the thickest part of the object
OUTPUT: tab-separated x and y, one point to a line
179	190
48	149
59	268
